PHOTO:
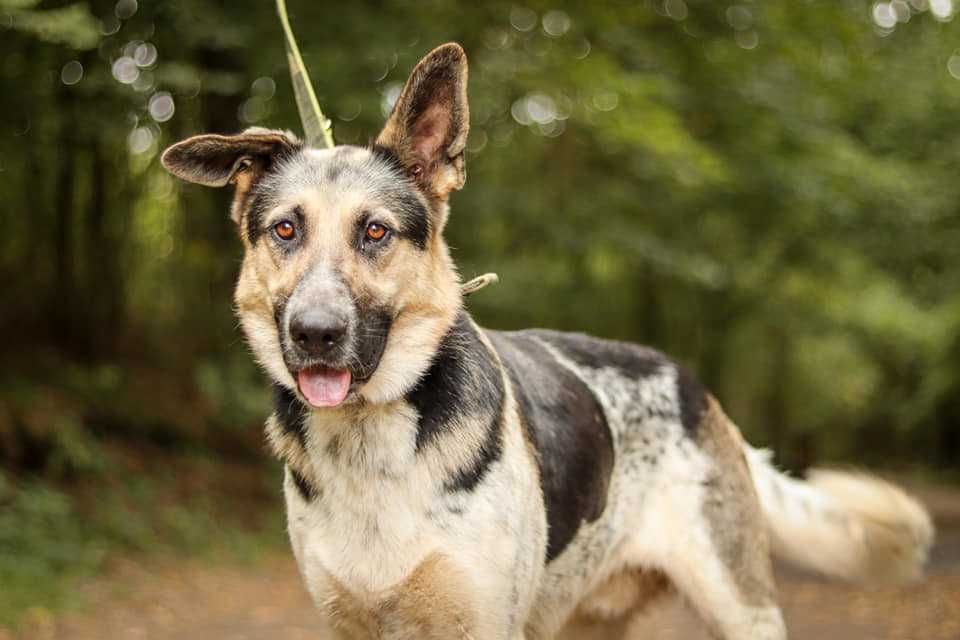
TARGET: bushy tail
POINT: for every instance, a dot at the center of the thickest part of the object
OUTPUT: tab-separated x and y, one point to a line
844	525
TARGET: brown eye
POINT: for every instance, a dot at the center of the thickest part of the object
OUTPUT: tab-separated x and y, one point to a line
416	171
376	232
285	230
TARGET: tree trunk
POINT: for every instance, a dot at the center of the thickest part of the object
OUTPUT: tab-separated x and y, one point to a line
61	305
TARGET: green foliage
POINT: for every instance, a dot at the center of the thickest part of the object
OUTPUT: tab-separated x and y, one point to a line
678	173
50	537
40	543
72	25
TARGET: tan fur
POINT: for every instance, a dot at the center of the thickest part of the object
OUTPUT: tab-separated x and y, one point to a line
733	510
623	595
433	603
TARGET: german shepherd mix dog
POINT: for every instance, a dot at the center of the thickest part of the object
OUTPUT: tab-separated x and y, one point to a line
447	481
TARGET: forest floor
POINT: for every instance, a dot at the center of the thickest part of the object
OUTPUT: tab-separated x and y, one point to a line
176	599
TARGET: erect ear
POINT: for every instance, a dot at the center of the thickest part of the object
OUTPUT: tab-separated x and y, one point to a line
427	129
215	160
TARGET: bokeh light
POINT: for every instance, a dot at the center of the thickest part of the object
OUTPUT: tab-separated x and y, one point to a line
253	110
581	49
953	65
606	100
145	54
884	15
739	17
264	87
109	25
747	39
125	9
941	9
161	106
140	140
125	70
523	19
676	9
71	73
556	23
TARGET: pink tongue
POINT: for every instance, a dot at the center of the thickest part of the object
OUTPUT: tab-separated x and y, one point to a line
324	387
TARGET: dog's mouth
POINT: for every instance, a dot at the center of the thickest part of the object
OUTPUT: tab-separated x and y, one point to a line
336	379
324	386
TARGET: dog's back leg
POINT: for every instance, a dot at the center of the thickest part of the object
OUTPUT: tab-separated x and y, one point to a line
705	530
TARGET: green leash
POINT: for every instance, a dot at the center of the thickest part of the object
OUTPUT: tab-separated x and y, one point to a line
317	128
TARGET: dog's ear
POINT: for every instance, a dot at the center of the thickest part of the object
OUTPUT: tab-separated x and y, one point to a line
216	160
427	129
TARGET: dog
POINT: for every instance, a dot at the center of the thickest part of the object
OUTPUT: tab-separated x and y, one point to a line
447	481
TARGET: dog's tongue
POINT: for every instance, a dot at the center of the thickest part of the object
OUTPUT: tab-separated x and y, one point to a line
324	387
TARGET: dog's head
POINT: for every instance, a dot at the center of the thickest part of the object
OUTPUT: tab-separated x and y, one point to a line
346	286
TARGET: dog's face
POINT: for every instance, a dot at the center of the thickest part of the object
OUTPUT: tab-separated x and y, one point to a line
346	286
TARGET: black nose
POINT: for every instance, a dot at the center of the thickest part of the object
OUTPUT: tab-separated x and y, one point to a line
317	332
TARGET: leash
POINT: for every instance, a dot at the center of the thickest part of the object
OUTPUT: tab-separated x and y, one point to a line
317	128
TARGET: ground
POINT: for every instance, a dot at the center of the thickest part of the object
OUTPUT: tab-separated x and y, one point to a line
261	600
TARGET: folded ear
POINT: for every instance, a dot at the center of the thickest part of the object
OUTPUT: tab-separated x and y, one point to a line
427	129
215	160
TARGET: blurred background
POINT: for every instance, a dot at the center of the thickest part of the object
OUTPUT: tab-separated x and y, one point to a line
766	191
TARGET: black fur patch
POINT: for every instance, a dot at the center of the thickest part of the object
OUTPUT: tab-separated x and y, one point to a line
569	430
693	400
258	203
413	214
389	157
257	207
631	359
373	327
289	412
466	478
307	491
463	381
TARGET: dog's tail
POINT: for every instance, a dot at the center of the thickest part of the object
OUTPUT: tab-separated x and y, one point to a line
845	525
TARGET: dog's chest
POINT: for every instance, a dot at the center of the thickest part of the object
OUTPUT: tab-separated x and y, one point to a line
368	526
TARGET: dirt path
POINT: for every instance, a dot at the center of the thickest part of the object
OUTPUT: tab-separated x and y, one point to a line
265	601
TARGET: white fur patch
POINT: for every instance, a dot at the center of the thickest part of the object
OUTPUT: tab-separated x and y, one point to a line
382	508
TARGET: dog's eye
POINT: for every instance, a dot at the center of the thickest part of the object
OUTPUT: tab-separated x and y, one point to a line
416	171
285	230
376	232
